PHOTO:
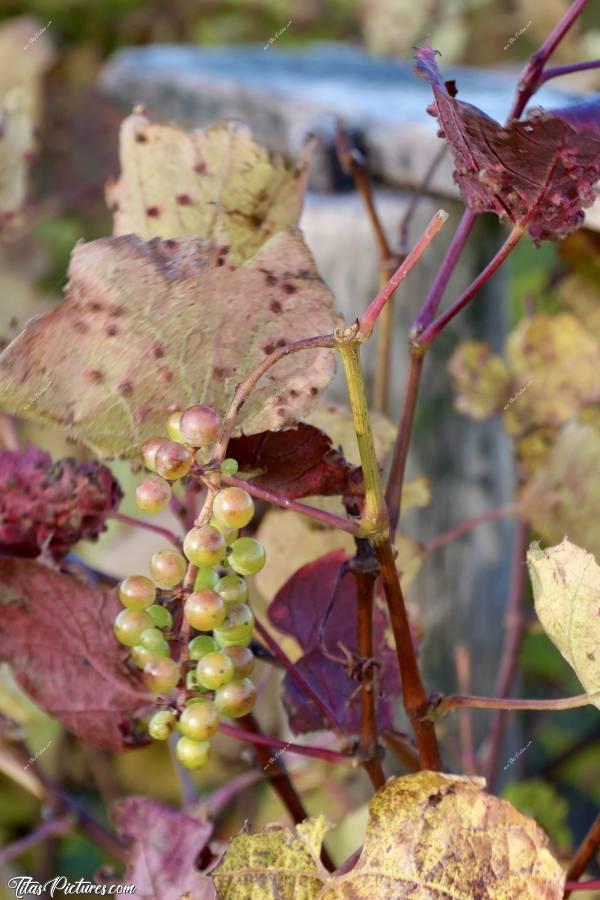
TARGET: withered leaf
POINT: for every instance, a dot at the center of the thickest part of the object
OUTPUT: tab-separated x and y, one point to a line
153	324
481	380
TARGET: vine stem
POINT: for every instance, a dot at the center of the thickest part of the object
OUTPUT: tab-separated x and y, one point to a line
148	526
54	827
369	317
557	71
263	740
462	665
584	855
572	886
457	701
375	523
319	515
393	492
490	515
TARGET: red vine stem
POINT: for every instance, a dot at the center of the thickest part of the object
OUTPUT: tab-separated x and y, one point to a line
572	886
262	740
557	71
55	827
446	537
319	515
456	701
584	855
148	526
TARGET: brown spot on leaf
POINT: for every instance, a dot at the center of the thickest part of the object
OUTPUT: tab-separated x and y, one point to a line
157	350
200	167
183	199
125	387
141	138
80	327
269	348
111	330
289	288
276	306
152	211
93	376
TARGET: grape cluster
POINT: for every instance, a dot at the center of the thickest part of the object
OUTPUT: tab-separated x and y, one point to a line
219	660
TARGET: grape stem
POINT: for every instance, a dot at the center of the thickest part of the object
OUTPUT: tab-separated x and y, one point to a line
332	756
490	515
439	706
584	855
52	828
140	523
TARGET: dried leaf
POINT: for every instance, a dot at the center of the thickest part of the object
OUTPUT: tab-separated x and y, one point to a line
51	506
336	421
580	296
298	610
562	496
566	592
432	835
277	864
296	463
56	632
170	322
214	183
538	173
481	380
166	845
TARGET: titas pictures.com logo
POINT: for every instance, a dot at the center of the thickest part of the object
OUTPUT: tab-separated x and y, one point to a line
24	886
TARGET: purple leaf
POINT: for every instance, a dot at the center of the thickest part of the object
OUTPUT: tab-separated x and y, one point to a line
300	462
56	632
298	610
51	504
166	845
538	173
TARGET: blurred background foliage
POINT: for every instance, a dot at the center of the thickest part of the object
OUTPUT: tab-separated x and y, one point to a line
557	777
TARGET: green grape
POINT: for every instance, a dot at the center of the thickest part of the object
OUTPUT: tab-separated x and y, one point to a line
129	625
153	494
229	466
199	721
161	675
237	627
200	426
242	659
233	507
214	670
206	578
162	724
160	615
173	460
236	699
137	592
174	427
167	568
192	754
222	641
141	656
233	589
204	546
229	534
204	610
152	639
246	556
200	646
148	453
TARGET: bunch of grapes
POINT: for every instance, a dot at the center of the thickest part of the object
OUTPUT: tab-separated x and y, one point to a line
215	680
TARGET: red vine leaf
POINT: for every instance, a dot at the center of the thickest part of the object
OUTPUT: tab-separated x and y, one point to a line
166	845
538	173
300	462
298	610
149	325
51	505
56	633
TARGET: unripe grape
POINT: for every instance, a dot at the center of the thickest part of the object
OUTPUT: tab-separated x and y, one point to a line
237	627
233	507
161	616
247	556
229	534
214	670
233	589
199	721
173	460
152	639
153	494
167	568
236	699
204	546
141	656
162	724
137	592
129	625
174	427
204	610
148	452
206	578
192	754
161	675
242	659
200	426
229	466
200	646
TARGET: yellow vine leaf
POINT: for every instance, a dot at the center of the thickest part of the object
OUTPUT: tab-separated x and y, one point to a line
562	496
277	864
214	183
580	295
432	835
481	380
148	325
566	592
336	421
